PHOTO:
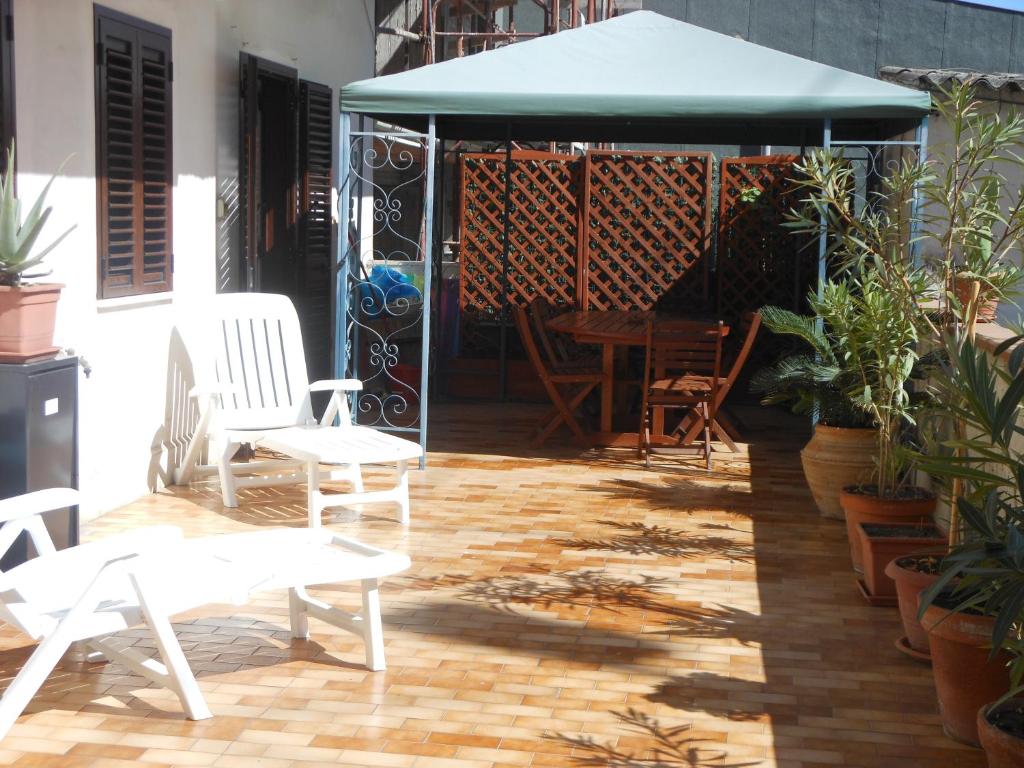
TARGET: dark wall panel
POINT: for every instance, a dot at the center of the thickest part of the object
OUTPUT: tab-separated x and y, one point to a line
910	33
785	25
846	34
730	17
977	38
1017	49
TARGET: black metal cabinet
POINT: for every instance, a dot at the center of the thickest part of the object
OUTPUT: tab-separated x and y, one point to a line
39	441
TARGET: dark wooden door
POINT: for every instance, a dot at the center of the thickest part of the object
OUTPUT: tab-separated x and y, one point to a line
285	171
268	171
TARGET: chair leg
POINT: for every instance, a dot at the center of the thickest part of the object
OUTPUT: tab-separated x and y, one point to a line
373	631
32	676
298	617
707	436
561	409
353	474
227	477
314	499
179	673
402	491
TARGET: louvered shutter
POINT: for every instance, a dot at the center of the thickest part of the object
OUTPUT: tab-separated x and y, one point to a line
7	131
133	142
315	148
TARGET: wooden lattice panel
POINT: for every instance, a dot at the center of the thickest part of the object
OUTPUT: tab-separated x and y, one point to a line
647	229
543	231
760	261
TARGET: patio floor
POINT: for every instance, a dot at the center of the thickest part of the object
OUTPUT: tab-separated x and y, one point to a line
569	610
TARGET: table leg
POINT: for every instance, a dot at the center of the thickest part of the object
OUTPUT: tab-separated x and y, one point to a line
607	386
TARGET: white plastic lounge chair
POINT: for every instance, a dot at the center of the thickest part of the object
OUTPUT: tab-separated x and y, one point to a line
86	593
251	386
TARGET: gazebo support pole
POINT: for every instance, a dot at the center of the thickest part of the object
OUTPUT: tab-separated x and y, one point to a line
921	134
428	248
341	265
826	143
438	261
505	247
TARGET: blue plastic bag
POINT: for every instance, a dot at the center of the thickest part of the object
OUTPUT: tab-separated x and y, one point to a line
386	285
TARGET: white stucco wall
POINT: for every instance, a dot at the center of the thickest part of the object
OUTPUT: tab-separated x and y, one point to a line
122	405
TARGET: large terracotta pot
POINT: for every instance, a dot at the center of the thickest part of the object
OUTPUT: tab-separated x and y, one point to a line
834	458
986	307
27	316
965	678
867	508
880	543
1002	748
911	581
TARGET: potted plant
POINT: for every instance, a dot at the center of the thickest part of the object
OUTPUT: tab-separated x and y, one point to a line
992	271
974	612
815	381
27	311
872	307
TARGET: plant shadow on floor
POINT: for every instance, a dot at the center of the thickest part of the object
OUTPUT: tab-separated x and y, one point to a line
639	538
545	589
671	747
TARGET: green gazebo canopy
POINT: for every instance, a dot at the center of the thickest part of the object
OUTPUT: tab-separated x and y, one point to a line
632	70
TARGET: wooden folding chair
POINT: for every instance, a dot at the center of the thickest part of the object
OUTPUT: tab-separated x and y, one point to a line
682	370
560	352
579	381
722	426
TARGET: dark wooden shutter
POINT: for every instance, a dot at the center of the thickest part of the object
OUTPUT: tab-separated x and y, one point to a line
7	131
315	153
133	154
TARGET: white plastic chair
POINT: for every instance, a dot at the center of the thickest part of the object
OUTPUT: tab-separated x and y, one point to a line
86	593
251	384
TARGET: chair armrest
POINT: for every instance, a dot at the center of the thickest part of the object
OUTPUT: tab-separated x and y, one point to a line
336	385
36	503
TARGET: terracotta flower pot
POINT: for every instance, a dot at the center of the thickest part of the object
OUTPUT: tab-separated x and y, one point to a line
1000	733
834	458
986	307
27	316
910	581
965	678
880	543
868	508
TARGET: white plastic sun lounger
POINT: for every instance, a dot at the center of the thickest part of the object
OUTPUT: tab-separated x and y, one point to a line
252	389
87	593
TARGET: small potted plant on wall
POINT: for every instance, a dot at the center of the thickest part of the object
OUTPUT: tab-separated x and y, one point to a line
985	259
27	310
816	381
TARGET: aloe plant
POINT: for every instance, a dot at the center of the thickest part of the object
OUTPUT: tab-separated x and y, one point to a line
17	236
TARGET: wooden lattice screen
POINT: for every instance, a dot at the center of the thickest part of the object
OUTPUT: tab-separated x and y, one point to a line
647	227
759	261
543	231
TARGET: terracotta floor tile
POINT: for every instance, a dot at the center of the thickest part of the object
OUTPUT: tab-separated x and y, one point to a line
564	608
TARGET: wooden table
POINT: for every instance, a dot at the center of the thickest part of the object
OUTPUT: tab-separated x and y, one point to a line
609	329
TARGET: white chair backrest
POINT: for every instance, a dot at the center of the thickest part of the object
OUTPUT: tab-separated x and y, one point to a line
251	343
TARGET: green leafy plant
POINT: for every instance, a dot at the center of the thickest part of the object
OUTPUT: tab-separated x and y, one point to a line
966	231
871	307
984	571
815	380
18	236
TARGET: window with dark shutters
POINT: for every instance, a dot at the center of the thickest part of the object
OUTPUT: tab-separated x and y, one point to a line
133	155
315	145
